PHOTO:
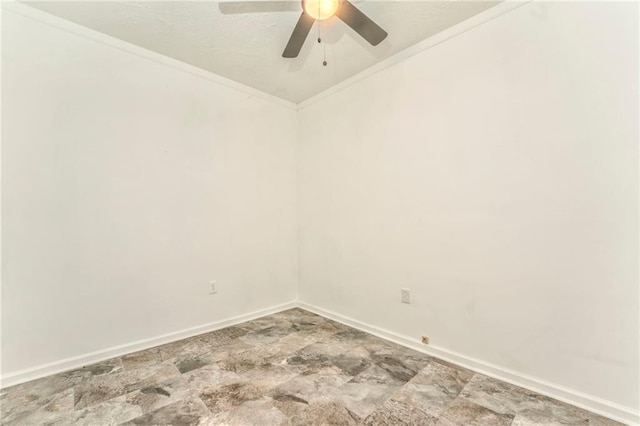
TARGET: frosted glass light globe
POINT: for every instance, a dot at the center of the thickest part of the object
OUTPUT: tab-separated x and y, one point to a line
320	9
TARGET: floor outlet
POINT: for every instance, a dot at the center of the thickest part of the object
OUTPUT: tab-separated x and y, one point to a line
406	295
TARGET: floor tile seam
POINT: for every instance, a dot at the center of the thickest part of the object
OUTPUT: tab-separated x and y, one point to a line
485	406
384	402
514	414
583	414
128	392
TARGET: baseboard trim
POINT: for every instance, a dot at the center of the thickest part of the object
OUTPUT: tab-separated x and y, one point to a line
588	402
72	363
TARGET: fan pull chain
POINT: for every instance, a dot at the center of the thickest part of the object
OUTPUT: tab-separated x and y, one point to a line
324	52
324	46
324	62
319	25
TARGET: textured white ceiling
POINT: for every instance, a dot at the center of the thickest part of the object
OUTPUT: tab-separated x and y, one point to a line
243	41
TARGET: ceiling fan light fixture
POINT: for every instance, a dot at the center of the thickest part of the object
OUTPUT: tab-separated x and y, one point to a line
323	9
320	9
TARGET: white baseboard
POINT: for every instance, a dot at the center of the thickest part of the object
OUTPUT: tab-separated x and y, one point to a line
21	376
588	402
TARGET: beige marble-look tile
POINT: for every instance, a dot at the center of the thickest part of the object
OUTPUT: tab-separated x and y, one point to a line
189	362
268	376
222	350
188	411
537	418
223	335
377	375
362	398
544	417
498	396
49	410
264	322
209	377
112	412
241	362
320	329
141	359
227	397
61	403
399	369
393	413
268	335
465	413
158	395
399	357
350	359
308	387
311	323
506	398
103	388
191	347
293	368
370	389
109	366
293	342
597	420
434	388
444	373
52	391
296	315
351	336
323	411
40	390
316	325
335	325
254	412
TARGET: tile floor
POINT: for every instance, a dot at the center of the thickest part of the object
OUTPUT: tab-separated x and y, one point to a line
290	368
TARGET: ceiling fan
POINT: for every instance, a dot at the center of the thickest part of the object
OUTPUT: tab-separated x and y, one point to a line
319	10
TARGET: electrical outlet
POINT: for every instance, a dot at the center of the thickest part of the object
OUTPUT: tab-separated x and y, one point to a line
425	340
406	295
213	287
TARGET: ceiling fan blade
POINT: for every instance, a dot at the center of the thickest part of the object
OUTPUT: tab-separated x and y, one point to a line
298	36
360	23
257	6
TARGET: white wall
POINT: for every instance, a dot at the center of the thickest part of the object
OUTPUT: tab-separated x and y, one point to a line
495	175
127	185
